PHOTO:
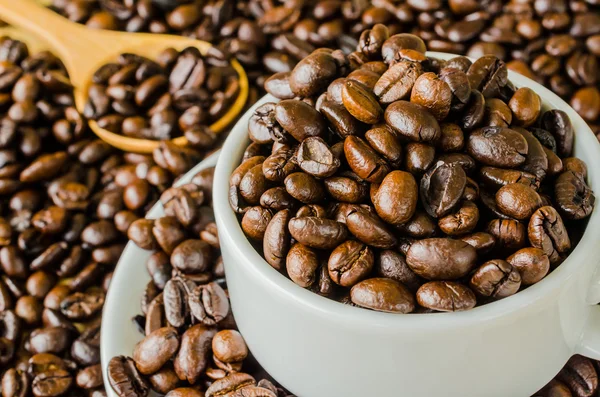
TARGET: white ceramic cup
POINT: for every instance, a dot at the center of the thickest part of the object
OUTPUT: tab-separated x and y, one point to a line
118	334
321	348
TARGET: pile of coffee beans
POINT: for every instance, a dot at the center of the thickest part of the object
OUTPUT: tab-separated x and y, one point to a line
556	42
181	93
400	183
191	346
66	202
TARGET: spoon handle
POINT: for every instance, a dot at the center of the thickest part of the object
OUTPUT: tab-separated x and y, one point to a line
75	44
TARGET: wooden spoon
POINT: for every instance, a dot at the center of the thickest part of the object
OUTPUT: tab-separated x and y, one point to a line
84	50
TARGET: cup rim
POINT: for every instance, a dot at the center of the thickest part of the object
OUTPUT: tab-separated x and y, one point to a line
233	238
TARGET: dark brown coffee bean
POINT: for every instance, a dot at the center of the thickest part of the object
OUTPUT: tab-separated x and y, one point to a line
397	82
276	239
559	125
532	264
396	198
361	102
413	122
526	106
302	264
175	298
82	306
441	258
255	222
509	233
498	177
125	379
573	196
235	382
441	188
193	355
463	221
140	232
580	375
350	262
397	42
316	158
347	188
311	75
90	377
15	383
547	231
498	147
367	227
518	200
363	161
317	233
288	113
51	383
151	353
385	142
488	74
446	296
433	94
209	303
304	187
496	278
383	294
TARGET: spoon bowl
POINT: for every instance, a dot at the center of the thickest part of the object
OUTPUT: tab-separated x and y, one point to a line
84	50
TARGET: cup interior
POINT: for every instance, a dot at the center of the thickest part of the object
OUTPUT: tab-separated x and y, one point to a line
586	147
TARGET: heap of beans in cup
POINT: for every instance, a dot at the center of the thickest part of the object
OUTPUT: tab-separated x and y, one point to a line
180	93
402	183
191	346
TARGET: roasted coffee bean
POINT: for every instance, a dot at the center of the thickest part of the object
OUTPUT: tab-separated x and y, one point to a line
397	82
496	278
316	232
316	158
209	303
90	377
497	147
547	232
367	227
412	122
463	221
364	161
51	383
573	196
441	188
288	112
446	296
350	262
383	294
441	258
518	200
82	306
346	187
151	353
559	125
302	263
580	375
304	187
532	264
194	352
125	378
361	102
488	75
396	197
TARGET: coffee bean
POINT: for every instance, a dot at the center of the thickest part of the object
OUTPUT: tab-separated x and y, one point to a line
350	262
547	231
51	383
446	296
289	111
192	358
518	200
125	379
316	232
363	160
441	188
497	147
526	106
367	227
383	294
464	220
209	303
302	264
573	196
579	374
316	158
532	264
151	353
413	122
361	102
441	258
304	187
496	278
